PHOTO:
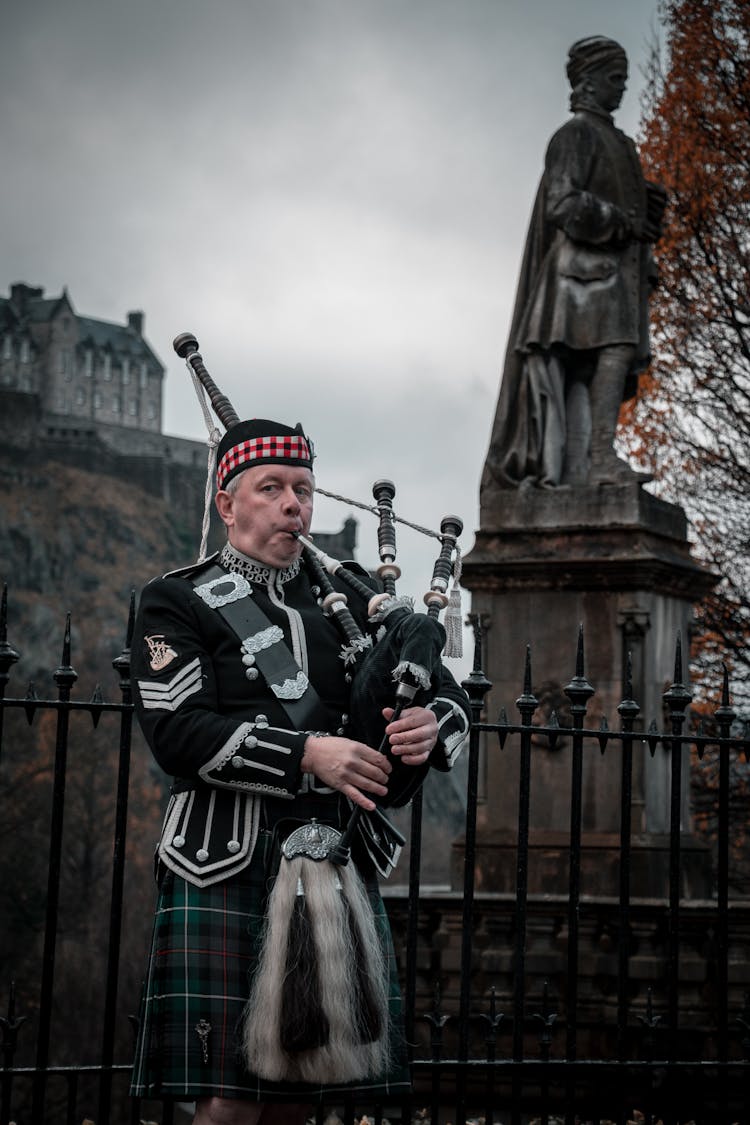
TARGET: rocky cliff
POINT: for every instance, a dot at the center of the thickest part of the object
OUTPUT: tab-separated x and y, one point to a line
75	542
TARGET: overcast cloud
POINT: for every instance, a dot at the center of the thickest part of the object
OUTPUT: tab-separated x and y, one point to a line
331	194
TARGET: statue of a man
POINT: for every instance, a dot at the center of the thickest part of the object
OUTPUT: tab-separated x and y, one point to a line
579	333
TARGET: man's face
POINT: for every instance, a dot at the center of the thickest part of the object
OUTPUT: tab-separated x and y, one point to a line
269	504
608	84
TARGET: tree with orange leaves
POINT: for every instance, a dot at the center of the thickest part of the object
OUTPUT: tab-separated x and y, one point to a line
690	425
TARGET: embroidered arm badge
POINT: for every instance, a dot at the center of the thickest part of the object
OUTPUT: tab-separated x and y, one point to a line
169	696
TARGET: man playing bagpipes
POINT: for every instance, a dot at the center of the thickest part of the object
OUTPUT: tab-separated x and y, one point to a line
271	983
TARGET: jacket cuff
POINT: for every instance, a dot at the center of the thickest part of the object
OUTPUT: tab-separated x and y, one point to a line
453	727
258	758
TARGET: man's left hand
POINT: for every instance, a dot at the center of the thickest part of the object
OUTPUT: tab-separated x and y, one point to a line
413	735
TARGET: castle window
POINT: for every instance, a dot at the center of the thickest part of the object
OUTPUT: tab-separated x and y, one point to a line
107	366
80	397
88	363
126	371
116	406
25	352
151	412
97	401
7	347
133	407
64	366
144	373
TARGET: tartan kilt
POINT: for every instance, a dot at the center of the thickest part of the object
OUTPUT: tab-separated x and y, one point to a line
205	948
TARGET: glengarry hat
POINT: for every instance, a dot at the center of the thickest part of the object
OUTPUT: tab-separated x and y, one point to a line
261	441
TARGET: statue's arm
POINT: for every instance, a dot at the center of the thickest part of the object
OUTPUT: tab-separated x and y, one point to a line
571	204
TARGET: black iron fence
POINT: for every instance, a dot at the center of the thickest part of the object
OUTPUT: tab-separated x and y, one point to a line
521	1006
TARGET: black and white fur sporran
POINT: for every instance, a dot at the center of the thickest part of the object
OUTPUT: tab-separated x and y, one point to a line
318	1008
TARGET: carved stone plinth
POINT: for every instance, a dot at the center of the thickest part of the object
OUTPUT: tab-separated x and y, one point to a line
615	560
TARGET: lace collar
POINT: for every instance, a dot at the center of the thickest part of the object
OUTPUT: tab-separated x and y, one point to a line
254	571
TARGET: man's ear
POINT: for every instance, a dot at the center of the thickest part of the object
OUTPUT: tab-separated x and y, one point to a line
225	506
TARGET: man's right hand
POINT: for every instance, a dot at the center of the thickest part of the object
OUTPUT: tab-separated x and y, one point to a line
351	767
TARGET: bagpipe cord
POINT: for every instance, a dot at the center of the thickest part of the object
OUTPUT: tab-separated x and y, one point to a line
213	439
318	1007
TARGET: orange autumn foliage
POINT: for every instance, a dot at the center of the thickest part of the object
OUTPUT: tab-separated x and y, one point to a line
690	425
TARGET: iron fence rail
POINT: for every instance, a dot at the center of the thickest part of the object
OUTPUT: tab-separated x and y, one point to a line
485	1041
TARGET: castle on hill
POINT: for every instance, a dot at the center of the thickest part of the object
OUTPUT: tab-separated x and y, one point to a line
88	393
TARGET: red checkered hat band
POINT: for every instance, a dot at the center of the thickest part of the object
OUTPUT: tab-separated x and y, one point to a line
262	449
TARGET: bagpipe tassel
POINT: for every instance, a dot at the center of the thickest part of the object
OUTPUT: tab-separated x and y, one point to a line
453	619
453	624
318	1010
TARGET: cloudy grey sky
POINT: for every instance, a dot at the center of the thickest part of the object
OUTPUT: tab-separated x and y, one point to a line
331	194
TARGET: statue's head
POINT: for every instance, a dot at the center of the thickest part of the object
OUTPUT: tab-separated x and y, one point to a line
597	70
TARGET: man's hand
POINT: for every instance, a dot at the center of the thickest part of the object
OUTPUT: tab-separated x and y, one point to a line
413	735
351	767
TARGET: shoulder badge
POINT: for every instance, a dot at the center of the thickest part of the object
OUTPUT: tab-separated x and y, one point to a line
160	654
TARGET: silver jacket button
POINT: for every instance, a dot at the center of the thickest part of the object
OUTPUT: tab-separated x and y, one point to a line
201	855
251	742
233	846
238	762
178	842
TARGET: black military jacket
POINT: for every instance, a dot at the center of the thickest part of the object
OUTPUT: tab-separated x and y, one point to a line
214	723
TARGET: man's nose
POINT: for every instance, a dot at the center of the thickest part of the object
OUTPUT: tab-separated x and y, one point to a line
291	501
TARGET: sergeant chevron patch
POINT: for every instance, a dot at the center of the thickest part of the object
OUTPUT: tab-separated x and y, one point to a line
169	696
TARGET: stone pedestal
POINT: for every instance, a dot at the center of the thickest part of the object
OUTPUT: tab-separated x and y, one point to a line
615	560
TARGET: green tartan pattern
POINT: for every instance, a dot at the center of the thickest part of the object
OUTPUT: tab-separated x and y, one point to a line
204	951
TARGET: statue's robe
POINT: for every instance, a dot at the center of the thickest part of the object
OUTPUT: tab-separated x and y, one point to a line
583	285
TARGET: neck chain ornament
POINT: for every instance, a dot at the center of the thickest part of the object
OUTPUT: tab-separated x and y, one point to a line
254	571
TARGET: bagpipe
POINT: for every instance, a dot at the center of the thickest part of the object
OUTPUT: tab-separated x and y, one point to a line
403	668
318	1008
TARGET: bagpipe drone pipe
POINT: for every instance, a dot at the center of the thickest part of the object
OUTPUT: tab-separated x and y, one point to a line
318	1008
